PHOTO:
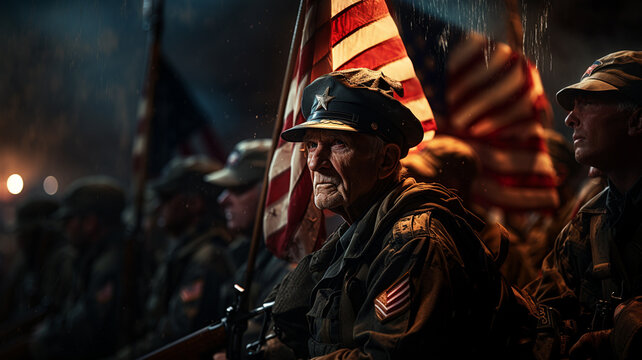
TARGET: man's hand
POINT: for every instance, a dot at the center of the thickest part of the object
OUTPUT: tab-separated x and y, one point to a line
627	329
593	345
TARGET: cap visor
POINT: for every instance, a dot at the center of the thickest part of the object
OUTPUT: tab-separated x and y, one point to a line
224	177
566	96
296	133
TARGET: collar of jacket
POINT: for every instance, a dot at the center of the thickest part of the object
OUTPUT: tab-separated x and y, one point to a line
406	198
596	205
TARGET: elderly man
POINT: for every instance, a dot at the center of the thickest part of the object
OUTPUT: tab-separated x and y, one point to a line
406	273
596	263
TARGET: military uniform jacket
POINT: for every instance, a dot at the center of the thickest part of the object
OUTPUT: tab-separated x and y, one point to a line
410	277
185	289
87	323
596	257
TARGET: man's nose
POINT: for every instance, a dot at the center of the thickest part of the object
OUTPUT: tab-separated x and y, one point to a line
318	158
224	197
571	120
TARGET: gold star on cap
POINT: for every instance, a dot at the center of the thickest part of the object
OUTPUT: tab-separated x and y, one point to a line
323	100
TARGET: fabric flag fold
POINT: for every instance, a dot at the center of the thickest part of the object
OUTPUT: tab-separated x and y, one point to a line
179	127
492	97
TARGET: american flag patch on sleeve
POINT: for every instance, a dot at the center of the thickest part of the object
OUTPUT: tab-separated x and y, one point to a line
394	300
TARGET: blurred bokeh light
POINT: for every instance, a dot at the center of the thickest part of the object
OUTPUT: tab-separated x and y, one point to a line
50	184
15	184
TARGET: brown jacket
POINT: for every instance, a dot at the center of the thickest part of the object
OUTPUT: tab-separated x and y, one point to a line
410	277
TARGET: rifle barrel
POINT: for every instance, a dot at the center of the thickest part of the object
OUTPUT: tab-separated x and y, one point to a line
206	340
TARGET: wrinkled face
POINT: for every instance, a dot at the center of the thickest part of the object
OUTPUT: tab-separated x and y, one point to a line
239	205
599	130
343	166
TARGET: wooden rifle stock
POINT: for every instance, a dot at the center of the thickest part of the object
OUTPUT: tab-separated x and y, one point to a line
205	341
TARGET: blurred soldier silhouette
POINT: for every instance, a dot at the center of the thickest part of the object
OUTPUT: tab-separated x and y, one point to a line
40	277
454	164
86	327
184	294
241	177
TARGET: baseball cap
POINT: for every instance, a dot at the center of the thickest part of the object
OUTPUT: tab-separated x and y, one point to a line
245	165
620	71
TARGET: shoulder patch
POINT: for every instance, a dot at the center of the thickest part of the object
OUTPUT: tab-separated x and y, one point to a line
192	291
105	294
411	226
394	300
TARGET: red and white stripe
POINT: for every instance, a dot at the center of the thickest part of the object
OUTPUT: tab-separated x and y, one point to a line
394	300
497	104
337	34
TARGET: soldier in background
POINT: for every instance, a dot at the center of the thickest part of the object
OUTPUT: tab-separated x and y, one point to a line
454	164
86	326
242	180
184	294
40	276
241	177
591	283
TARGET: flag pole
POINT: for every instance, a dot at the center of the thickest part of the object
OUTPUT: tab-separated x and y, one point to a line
514	22
278	125
153	24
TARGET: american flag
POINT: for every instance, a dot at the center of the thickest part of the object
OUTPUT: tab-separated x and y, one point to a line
490	96
179	128
337	34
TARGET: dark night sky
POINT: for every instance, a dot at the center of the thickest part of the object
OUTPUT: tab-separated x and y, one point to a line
71	70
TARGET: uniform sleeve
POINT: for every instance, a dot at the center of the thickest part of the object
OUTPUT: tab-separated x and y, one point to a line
415	301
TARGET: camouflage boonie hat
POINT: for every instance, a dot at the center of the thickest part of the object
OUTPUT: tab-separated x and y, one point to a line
184	175
98	195
618	72
358	100
245	165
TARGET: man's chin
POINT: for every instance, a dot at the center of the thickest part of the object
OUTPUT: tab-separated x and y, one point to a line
327	204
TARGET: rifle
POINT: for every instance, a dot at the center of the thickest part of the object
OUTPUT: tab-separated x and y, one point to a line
227	332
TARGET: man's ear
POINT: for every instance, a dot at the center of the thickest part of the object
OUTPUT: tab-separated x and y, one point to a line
390	160
635	123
